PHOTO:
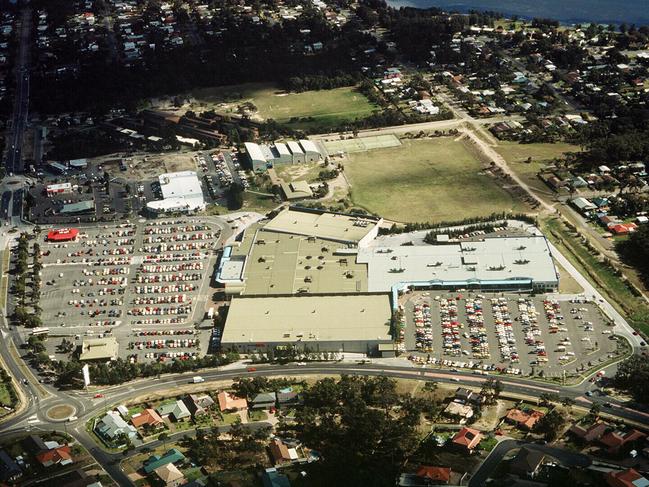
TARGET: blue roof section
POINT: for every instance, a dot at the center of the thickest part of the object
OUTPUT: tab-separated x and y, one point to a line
155	461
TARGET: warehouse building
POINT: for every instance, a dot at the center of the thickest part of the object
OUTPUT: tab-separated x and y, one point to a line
356	323
256	156
262	157
356	230
267	263
492	264
181	192
296	151
311	152
296	190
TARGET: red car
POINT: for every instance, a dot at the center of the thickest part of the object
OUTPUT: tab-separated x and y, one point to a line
98	396
252	369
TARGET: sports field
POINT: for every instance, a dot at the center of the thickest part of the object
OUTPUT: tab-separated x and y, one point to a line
310	109
425	180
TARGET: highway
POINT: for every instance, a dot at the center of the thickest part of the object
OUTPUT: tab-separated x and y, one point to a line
14	162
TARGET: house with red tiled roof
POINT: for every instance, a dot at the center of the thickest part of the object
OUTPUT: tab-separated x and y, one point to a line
467	439
282	453
592	433
626	478
149	418
523	419
229	401
614	440
61	455
623	228
435	475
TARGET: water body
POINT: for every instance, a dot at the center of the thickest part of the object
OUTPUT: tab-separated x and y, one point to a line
566	11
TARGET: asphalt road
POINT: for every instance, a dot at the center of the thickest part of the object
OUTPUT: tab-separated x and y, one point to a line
567	458
14	163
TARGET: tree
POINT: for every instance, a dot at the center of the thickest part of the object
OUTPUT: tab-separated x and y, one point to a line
491	389
568	402
550	425
546	398
163	438
633	376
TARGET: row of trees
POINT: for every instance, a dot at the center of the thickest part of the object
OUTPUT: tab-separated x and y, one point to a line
27	312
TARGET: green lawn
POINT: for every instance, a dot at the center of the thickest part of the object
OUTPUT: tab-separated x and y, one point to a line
611	285
517	154
229	418
425	181
325	108
5	395
258	415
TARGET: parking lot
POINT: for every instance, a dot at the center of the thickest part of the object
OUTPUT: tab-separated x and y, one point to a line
515	332
142	282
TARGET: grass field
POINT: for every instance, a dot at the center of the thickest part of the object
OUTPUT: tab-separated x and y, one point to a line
516	156
325	108
425	180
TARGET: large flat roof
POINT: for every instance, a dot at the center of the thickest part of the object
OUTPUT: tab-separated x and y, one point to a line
332	226
99	349
493	259
179	189
280	263
308	319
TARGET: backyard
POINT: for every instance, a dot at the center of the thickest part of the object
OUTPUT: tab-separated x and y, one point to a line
307	110
425	180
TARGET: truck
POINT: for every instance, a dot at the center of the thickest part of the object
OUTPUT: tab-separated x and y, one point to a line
210	313
197	379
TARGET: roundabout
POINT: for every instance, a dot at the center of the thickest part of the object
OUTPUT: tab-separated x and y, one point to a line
60	412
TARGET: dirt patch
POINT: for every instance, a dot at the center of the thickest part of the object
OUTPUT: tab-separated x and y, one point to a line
62	411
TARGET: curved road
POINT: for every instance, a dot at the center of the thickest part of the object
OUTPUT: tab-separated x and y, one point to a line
34	417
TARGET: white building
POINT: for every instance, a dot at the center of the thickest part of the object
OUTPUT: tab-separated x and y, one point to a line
296	150
311	152
256	156
52	189
282	154
181	192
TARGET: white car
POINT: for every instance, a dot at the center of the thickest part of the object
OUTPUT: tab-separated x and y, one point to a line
300	364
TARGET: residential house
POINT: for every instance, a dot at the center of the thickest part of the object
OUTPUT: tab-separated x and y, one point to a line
229	402
170	475
198	405
626	478
281	453
177	410
61	455
525	420
157	461
459	411
465	396
434	475
615	440
527	463
582	205
592	433
111	426
467	439
264	400
286	398
148	419
272	478
9	470
623	228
